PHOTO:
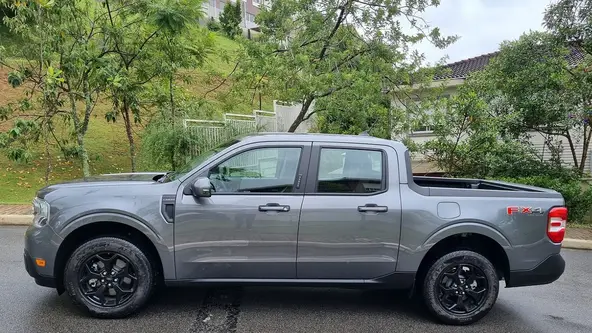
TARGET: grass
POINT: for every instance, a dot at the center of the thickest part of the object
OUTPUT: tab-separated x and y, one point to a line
579	226
9	41
107	142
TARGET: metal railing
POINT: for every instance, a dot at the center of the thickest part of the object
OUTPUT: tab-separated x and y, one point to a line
210	133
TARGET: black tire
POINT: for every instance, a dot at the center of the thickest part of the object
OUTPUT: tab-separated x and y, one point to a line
139	288
439	293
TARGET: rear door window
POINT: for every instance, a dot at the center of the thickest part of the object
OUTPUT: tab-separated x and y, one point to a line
343	170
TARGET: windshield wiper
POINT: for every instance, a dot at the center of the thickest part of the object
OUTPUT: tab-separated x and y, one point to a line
165	177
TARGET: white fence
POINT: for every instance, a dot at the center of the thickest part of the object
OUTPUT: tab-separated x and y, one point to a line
210	133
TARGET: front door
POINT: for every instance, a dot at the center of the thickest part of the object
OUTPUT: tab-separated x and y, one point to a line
351	215
248	228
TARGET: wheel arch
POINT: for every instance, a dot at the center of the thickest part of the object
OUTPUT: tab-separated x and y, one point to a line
84	230
490	244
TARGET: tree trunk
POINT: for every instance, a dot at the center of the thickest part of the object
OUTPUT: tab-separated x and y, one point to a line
573	150
587	136
172	101
125	112
83	155
303	112
80	137
46	143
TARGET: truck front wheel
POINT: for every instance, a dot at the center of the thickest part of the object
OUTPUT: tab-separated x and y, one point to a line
461	287
109	277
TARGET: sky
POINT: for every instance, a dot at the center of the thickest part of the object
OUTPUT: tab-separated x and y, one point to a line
481	24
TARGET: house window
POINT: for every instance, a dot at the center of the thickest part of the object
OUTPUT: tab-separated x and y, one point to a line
256	2
426	127
250	18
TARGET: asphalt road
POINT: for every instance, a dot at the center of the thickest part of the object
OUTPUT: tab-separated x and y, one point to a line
564	306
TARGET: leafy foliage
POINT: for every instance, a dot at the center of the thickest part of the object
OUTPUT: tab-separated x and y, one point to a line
213	25
570	21
471	141
79	51
165	146
230	19
542	92
318	53
577	198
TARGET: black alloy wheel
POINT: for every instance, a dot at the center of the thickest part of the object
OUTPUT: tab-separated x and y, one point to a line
110	277
107	279
462	288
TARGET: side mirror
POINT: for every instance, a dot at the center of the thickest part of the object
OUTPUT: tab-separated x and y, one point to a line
202	188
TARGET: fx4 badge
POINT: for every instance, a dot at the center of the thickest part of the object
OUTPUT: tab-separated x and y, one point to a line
524	210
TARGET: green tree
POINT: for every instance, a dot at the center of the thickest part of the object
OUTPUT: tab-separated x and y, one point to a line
64	50
471	140
101	48
166	140
318	53
231	18
137	38
570	21
542	91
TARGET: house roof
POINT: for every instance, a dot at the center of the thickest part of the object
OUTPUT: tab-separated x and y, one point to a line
461	69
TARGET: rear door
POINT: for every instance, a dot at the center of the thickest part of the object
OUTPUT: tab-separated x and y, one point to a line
351	215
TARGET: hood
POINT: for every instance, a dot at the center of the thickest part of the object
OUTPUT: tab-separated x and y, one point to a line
112	179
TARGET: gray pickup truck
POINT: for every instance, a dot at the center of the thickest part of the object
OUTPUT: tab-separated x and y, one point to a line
295	209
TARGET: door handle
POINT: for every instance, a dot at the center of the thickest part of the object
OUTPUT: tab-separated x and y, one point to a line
372	208
274	207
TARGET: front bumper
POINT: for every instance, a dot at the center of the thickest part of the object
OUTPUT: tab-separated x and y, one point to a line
41	242
546	272
41	280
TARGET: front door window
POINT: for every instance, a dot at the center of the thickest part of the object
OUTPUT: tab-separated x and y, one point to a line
261	170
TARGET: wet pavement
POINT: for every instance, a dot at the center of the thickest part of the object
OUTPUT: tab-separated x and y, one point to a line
564	306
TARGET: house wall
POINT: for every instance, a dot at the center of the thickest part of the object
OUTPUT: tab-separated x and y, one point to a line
249	9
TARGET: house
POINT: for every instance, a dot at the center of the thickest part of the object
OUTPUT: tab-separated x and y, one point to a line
454	76
249	9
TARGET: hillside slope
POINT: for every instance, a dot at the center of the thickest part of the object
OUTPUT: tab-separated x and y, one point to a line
106	142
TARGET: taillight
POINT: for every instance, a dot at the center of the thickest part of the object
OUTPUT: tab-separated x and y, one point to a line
557	223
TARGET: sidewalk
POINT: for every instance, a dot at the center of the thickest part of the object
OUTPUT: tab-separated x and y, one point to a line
575	238
16	214
16	209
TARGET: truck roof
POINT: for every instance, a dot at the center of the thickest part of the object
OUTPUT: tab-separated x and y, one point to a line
283	136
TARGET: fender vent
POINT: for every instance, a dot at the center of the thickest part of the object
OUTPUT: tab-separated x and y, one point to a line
167	207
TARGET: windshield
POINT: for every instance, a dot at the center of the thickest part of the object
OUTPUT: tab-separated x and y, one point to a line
200	159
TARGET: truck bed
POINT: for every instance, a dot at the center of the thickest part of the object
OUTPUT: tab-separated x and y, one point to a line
477	187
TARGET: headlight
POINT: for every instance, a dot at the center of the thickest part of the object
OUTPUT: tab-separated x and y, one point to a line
40	212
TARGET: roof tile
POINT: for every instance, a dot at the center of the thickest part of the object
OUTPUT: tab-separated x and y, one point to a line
461	69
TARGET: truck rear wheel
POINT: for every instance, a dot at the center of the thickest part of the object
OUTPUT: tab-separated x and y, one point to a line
461	287
109	277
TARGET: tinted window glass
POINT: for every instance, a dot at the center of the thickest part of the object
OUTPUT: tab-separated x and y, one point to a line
350	171
262	170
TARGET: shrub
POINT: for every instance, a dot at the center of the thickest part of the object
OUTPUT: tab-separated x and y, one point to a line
213	25
166	147
230	19
577	199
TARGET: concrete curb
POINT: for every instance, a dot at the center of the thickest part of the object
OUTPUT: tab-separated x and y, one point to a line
25	220
16	219
578	244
